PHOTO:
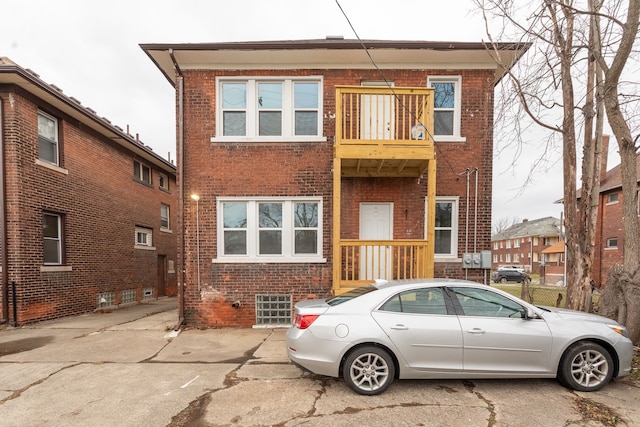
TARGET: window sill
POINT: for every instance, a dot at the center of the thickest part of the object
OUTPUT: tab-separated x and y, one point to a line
144	248
166	230
263	139
446	258
269	260
52	167
55	268
449	139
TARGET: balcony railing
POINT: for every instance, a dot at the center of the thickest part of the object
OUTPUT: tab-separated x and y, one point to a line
383	116
363	261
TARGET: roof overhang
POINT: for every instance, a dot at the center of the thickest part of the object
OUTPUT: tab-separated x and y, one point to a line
333	54
13	74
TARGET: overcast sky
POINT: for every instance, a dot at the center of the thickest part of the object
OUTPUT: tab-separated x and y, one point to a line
91	51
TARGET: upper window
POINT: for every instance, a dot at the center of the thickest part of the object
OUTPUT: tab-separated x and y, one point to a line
48	138
612	198
612	243
163	181
446	227
164	217
446	107
270	230
516	243
270	109
52	238
141	172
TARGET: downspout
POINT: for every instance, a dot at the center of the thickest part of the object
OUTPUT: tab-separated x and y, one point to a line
181	284
4	263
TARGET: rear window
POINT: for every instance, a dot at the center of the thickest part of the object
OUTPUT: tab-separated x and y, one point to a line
349	295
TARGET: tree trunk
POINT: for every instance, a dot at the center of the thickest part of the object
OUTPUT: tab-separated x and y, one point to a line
621	299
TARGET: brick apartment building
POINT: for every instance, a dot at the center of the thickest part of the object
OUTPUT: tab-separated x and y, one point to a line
313	169
87	212
523	245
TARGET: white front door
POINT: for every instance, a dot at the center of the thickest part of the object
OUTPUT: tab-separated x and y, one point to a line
376	223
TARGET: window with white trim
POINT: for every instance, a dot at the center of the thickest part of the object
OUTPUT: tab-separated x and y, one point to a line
269	109
48	138
612	243
447	107
446	227
164	217
52	238
270	229
144	237
516	243
612	198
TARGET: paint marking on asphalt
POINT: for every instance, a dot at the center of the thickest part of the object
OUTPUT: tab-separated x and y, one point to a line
189	383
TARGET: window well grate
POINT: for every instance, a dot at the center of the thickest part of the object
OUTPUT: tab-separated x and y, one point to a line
273	309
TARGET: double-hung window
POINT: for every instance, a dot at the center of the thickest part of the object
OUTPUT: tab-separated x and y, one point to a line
269	109
52	238
141	172
48	138
446	227
270	229
446	107
164	217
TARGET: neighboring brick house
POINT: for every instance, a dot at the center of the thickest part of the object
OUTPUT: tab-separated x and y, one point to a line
313	166
609	239
87	212
523	244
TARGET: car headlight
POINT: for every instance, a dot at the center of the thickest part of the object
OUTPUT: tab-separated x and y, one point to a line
620	329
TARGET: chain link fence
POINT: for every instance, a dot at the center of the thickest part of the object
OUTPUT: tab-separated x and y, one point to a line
554	296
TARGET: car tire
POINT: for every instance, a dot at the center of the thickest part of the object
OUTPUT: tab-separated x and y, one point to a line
369	370
503	280
585	366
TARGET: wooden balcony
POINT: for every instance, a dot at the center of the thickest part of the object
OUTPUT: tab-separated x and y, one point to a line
363	261
383	131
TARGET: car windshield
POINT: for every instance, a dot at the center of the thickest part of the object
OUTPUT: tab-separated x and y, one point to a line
349	295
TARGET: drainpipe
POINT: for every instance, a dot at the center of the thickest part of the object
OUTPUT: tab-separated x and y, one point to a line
4	263
182	269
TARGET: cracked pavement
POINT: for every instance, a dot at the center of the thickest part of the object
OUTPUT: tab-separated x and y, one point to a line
128	368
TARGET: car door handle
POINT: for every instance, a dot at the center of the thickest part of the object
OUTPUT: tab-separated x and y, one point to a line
476	331
399	327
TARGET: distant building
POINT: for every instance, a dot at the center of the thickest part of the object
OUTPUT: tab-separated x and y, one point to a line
86	210
523	244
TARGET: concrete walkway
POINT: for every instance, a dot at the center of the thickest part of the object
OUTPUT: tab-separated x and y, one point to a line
129	368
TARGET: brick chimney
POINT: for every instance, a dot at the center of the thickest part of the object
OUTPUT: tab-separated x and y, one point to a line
603	157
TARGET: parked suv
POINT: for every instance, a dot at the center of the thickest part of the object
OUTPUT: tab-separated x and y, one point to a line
510	275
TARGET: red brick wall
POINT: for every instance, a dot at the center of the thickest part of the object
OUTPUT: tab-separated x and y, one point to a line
609	226
101	204
305	169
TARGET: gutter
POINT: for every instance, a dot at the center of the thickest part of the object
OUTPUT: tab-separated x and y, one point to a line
4	261
180	155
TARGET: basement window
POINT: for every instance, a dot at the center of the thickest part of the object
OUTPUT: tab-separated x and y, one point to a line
273	310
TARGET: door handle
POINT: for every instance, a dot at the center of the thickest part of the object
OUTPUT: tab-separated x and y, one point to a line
476	331
399	328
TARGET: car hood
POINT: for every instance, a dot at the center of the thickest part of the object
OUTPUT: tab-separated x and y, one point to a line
579	316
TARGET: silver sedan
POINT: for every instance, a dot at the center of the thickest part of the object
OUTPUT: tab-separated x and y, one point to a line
444	329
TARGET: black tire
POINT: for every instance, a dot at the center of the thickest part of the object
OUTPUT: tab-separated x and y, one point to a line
585	366
369	370
503	280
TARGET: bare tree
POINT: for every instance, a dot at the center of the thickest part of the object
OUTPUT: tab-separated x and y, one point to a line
503	223
573	68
